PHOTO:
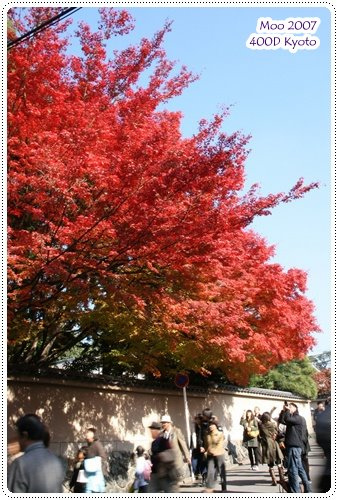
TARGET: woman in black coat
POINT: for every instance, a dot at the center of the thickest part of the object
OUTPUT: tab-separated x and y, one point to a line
78	480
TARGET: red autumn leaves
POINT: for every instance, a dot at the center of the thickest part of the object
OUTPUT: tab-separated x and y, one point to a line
124	232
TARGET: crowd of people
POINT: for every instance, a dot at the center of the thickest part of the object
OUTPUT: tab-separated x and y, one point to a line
33	468
281	442
170	455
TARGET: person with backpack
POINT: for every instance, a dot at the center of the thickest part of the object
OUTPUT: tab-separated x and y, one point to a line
142	471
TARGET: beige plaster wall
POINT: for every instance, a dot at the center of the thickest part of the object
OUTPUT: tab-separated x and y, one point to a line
122	414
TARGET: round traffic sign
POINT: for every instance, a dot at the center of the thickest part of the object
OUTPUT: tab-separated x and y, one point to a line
181	380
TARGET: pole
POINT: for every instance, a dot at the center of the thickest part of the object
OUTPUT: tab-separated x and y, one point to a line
186	412
187	423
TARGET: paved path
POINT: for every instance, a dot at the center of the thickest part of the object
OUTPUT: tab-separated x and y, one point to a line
241	479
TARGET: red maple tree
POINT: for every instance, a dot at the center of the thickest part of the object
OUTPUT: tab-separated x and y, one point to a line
124	232
323	381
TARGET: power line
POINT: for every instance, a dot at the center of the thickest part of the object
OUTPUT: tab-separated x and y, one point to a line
41	27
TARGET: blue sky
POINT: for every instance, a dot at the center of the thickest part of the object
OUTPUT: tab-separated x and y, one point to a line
279	98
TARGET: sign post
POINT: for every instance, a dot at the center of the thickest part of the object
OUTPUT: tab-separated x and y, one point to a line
186	411
182	381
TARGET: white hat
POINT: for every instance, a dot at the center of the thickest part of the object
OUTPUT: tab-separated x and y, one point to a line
165	418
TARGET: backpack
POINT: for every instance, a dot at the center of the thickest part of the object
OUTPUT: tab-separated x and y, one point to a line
147	470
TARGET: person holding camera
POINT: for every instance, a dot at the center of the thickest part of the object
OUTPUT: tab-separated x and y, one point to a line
294	443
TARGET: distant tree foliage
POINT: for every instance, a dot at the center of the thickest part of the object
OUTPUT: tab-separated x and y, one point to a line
10	29
321	361
294	376
323	381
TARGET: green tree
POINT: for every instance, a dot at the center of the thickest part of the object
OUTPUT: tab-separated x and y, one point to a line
295	376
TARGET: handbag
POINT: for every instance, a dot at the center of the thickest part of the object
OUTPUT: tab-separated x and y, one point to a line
253	433
81	477
92	464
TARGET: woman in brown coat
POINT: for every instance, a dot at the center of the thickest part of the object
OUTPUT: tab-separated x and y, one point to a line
271	452
215	457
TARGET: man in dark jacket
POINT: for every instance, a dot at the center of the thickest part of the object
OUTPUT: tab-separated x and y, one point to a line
197	443
323	435
163	474
306	448
294	443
